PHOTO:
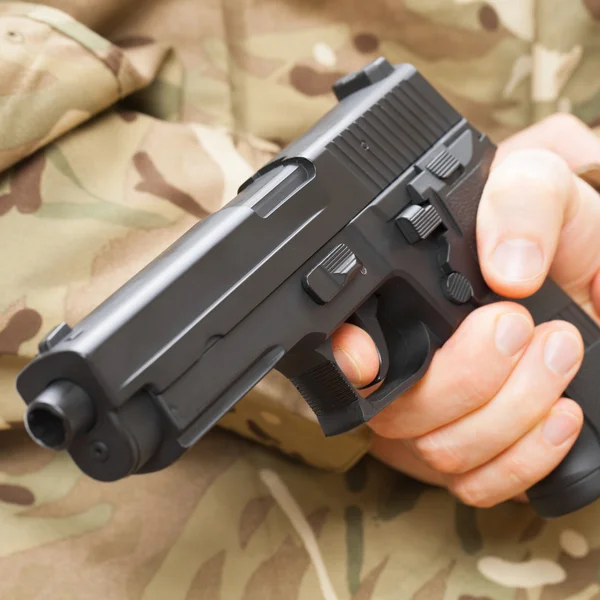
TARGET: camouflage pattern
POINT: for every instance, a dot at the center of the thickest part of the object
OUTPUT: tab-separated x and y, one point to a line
122	125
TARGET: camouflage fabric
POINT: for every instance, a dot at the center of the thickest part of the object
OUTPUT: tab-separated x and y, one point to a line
122	125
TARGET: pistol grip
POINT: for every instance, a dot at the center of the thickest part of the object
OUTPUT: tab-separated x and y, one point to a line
576	481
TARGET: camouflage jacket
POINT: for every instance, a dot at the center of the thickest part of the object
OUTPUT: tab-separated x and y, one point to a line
122	125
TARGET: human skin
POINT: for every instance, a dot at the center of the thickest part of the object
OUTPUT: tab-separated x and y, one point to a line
488	420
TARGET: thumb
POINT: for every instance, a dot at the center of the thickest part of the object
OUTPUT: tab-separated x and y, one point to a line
563	134
356	354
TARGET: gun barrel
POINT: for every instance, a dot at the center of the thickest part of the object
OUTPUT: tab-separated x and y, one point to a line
58	414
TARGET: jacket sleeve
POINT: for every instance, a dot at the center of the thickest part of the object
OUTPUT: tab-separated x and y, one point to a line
90	192
56	74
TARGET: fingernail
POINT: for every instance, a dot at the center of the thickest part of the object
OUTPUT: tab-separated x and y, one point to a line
562	352
560	427
518	260
513	331
348	365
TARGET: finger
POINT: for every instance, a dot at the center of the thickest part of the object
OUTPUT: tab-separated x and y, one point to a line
577	258
356	354
563	134
536	218
397	455
464	374
544	371
525	463
526	201
595	293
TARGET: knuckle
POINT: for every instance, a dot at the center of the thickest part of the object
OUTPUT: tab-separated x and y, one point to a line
470	493
476	386
438	455
519	473
390	423
564	124
534	170
472	385
385	427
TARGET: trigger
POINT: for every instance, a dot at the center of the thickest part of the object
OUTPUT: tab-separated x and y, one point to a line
365	317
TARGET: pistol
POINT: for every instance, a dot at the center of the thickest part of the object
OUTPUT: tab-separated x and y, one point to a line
367	218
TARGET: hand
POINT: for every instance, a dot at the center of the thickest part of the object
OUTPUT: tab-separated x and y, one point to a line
488	419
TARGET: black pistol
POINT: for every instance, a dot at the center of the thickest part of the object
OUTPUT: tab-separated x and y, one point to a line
368	218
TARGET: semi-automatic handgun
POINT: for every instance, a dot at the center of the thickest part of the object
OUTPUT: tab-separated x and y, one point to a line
368	218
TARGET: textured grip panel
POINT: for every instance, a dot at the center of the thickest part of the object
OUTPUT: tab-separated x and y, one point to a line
463	200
